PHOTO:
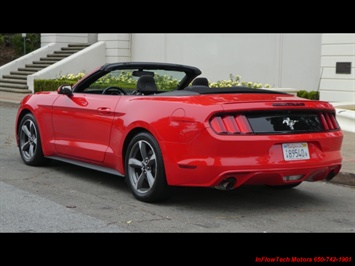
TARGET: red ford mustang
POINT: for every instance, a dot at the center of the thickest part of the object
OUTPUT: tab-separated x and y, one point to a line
159	125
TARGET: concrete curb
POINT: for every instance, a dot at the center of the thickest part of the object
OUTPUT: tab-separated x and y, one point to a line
344	179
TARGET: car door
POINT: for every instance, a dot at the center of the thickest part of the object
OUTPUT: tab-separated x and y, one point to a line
82	125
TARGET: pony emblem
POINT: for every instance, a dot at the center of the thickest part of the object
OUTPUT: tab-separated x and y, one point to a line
289	122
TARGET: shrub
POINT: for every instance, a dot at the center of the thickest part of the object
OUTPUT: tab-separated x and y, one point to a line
312	95
124	80
50	84
15	40
236	81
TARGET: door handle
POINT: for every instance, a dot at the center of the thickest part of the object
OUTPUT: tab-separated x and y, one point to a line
104	110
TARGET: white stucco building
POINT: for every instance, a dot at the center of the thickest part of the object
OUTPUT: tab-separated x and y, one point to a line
338	67
323	62
298	61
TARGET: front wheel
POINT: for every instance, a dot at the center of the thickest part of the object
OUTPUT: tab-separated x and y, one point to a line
30	146
145	173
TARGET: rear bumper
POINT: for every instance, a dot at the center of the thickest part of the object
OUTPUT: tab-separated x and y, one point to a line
252	160
213	176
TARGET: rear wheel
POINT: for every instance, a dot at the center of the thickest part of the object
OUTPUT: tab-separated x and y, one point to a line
30	145
145	173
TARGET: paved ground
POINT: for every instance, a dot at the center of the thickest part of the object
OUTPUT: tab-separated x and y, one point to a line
346	175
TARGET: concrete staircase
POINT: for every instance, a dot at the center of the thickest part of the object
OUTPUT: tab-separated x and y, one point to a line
16	81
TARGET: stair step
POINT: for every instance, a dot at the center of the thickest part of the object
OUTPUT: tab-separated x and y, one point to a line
47	59
22	77
13	86
79	45
23	73
25	91
58	56
71	49
64	53
44	63
13	81
39	66
27	69
16	81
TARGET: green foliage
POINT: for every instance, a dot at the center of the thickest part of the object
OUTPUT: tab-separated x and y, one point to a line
236	81
50	84
166	82
126	81
15	40
2	40
312	95
302	94
72	77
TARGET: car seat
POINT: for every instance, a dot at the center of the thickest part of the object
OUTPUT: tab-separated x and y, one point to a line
146	85
202	81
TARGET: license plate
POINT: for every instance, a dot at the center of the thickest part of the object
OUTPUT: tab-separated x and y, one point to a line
295	151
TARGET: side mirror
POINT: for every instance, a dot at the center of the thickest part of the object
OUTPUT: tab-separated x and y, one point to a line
65	89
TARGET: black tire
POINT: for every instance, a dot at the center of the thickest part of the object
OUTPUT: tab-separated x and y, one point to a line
30	145
145	172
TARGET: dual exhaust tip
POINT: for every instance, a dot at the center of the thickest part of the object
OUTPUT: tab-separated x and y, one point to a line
229	182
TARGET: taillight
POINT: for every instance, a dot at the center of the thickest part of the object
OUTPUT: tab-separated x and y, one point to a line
334	121
218	125
230	124
329	122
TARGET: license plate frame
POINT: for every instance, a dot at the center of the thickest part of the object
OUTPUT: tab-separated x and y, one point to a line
295	151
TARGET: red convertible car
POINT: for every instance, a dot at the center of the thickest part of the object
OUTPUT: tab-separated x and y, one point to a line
160	125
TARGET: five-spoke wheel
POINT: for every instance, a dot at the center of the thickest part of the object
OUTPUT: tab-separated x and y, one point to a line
144	166
30	142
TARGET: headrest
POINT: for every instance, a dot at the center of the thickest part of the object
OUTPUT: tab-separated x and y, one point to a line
200	81
146	83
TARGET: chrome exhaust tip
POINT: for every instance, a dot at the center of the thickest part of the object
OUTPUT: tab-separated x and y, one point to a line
227	184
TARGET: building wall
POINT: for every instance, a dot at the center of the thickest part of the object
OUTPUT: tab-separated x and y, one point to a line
118	46
338	87
92	38
64	38
297	61
281	60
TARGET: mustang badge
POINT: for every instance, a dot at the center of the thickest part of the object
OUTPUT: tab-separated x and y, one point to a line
289	122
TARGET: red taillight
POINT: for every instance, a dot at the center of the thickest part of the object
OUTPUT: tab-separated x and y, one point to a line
329	122
334	121
218	125
324	121
230	124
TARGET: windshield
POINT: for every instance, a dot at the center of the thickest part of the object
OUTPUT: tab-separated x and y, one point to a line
166	80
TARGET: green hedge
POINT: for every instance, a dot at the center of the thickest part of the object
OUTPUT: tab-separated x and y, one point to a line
50	84
312	95
53	84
